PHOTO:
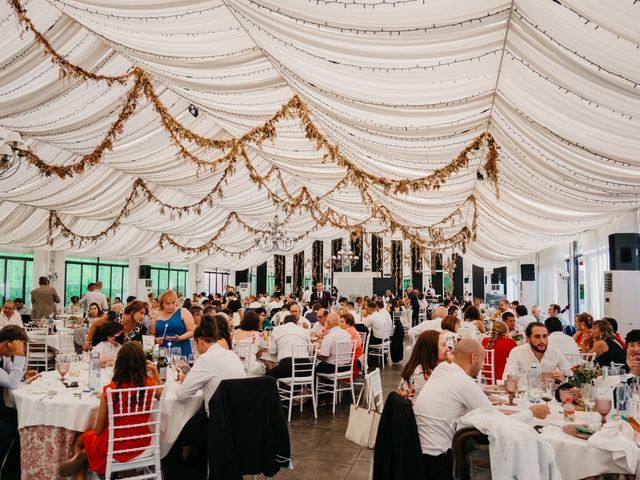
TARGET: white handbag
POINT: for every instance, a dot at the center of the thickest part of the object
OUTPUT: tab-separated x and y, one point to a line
363	423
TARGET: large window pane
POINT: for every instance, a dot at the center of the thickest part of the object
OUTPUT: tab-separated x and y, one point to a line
104	274
15	278
3	286
88	276
173	281
27	283
163	280
116	284
72	284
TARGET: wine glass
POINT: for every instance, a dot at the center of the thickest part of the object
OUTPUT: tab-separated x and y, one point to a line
603	403
588	396
62	365
511	386
176	353
191	360
546	390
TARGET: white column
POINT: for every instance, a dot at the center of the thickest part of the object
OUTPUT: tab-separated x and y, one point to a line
41	266
58	273
132	279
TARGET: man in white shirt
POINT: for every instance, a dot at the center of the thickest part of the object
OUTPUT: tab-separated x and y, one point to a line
515	330
556	311
95	296
450	393
10	316
536	350
294	309
537	313
274	303
327	354
558	339
414	332
318	330
281	342
504	306
213	365
377	322
523	318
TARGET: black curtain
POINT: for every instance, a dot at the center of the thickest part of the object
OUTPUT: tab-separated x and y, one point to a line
278	271
416	266
356	248
376	253
477	280
436	274
396	266
261	278
298	273
242	276
316	262
458	279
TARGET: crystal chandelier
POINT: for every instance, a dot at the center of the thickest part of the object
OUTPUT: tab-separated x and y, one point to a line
344	257
12	149
276	239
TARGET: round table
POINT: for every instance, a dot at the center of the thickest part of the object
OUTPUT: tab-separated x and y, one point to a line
51	415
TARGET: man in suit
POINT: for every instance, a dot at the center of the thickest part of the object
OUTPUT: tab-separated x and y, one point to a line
321	296
43	300
415	306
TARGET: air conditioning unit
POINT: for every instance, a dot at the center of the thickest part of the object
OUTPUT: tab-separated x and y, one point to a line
621	294
144	287
244	289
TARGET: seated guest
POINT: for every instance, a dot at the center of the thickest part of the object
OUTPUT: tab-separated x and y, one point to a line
327	354
196	313
536	350
451	392
12	369
347	323
523	318
9	315
109	347
425	325
501	344
133	321
22	309
248	333
633	354
472	314
96	319
614	326
430	350
213	365
318	330
221	322
450	326
117	306
378	323
312	314
264	322
90	449
605	345
558	339
440	312
584	322
515	332
281	342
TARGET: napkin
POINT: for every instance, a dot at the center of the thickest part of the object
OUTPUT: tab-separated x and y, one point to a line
617	438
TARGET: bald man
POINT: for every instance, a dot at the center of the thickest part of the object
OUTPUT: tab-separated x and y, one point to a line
450	393
10	316
328	349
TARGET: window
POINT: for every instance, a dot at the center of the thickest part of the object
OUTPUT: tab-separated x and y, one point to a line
16	273
79	272
270	283
165	278
214	282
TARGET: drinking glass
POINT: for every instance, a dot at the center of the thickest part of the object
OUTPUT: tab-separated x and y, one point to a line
191	360
603	403
176	353
63	363
511	386
588	396
546	390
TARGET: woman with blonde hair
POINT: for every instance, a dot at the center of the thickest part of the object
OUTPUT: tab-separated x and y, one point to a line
172	324
501	344
605	345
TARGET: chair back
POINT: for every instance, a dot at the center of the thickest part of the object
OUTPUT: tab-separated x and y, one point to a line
345	354
488	372
244	352
37	348
579	358
65	340
134	416
303	361
375	396
470	450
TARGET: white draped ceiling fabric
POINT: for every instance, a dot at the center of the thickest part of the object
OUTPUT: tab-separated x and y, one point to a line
401	86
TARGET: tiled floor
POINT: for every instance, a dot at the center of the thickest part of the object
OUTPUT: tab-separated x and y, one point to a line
319	449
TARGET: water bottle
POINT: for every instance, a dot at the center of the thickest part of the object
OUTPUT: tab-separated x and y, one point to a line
533	381
94	371
622	395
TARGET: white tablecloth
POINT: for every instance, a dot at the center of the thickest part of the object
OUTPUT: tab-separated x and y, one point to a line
575	458
79	414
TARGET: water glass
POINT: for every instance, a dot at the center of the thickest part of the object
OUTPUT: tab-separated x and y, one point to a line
603	403
176	352
63	363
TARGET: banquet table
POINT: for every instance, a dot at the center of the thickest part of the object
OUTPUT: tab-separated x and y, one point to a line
50	416
575	457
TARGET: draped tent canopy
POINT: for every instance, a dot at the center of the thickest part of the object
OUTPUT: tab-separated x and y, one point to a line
402	87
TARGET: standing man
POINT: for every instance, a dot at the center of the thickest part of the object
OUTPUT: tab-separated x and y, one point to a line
96	296
43	300
415	306
9	315
320	295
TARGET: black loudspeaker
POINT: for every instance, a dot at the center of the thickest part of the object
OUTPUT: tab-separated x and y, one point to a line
495	278
381	285
624	251
528	272
288	279
144	272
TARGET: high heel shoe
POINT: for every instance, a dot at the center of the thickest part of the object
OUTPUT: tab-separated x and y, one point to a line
74	464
